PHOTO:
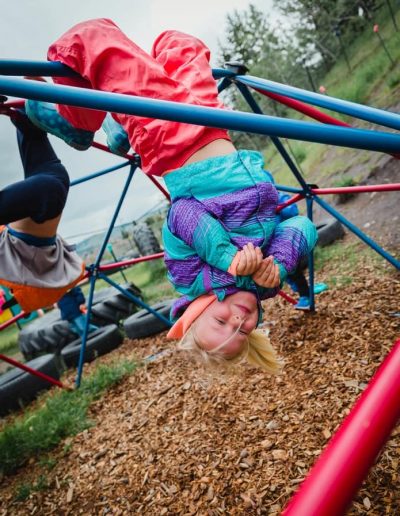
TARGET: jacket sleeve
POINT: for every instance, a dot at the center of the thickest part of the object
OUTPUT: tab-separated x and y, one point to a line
190	221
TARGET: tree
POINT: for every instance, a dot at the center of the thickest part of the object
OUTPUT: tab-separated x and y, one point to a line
323	28
250	40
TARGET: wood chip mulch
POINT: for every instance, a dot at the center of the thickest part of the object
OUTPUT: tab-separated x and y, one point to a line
169	441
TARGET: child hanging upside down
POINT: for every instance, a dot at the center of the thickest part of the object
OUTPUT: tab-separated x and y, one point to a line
35	263
224	248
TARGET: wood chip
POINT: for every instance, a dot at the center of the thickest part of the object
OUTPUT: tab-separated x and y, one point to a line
169	440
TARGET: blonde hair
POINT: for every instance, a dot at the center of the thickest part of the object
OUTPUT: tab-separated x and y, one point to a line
258	352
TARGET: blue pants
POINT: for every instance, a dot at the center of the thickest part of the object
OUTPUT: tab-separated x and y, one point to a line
43	193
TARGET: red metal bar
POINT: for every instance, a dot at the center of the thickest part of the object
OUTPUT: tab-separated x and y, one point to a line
104	148
11	321
290	201
43	376
100	146
111	266
287	297
339	472
304	108
391	187
15	103
154	180
115	265
308	110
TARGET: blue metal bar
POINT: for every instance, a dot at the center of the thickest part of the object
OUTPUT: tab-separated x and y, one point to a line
278	144
57	69
221	73
35	68
114	218
224	84
288	189
358	232
212	117
98	174
374	115
94	274
92	279
135	299
306	188
309	201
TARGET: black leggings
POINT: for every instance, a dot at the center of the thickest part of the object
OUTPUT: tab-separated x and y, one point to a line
43	193
298	278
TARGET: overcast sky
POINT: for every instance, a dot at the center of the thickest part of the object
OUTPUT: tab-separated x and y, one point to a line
27	29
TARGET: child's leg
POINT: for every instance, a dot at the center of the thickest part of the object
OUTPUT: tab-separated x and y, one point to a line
291	240
186	59
300	282
108	60
42	195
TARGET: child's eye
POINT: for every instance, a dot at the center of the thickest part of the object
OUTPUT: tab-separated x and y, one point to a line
220	321
242	332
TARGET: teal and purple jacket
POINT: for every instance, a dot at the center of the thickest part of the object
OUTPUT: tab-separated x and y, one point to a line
219	205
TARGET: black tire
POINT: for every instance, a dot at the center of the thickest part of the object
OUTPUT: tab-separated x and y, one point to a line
145	240
329	230
50	334
18	387
99	342
144	324
101	295
47	334
115	307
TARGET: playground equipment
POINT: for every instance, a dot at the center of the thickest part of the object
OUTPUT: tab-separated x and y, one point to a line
338	474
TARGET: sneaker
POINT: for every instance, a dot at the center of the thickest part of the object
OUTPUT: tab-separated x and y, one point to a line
320	287
117	138
303	304
78	325
45	116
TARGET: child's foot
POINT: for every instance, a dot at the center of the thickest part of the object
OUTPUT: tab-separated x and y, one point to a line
320	287
303	304
117	139
45	116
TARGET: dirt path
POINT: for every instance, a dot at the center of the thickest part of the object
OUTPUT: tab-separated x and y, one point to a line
166	442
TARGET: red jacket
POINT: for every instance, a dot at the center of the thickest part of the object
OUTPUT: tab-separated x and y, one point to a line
177	70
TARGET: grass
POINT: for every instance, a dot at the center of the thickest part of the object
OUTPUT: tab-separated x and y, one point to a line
344	182
373	81
9	340
340	259
62	414
24	490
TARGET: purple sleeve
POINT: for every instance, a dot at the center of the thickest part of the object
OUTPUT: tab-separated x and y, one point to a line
189	220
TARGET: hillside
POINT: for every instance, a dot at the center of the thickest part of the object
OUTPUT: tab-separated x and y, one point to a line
374	81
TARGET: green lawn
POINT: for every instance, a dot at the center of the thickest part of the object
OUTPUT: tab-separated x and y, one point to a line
62	413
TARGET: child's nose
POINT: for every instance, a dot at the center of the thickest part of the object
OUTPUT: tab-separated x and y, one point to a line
236	319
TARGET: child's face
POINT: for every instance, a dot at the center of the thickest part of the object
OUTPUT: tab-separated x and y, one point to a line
219	323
